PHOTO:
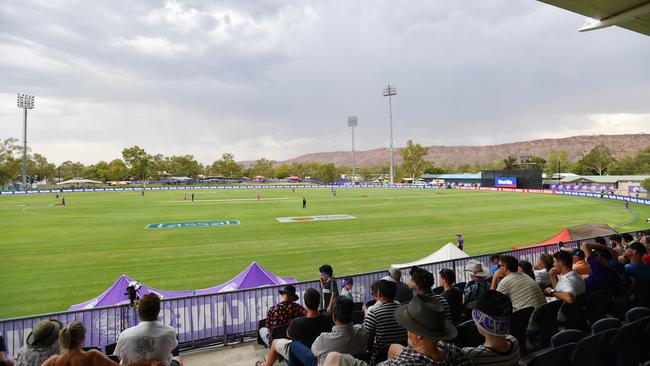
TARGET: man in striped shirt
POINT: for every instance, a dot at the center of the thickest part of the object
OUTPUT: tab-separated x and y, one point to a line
522	290
380	324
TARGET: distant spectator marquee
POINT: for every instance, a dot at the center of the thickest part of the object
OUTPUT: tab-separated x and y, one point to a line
230	316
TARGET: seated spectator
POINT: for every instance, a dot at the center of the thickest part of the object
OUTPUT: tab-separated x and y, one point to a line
627	239
579	266
344	337
71	340
541	270
41	344
566	283
492	317
427	328
527	268
452	294
422	283
601	277
4	359
329	287
375	302
478	283
638	271
404	293
522	290
282	313
304	329
380	324
160	339
616	242
494	263
347	288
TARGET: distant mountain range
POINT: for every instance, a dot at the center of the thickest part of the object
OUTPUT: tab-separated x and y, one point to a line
577	146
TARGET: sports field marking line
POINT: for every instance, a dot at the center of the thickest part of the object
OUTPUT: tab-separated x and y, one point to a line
233	200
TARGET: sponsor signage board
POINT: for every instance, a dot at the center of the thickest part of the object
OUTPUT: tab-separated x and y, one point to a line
314	218
177	225
505	182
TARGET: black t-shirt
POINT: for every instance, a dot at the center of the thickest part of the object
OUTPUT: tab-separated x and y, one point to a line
454	298
330	287
306	330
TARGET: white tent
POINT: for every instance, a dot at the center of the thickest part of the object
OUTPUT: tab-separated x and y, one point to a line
448	252
79	182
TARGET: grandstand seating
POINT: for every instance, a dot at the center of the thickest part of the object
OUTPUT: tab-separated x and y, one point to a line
518	325
545	317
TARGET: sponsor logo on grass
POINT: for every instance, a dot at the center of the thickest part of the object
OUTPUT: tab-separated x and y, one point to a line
177	225
314	218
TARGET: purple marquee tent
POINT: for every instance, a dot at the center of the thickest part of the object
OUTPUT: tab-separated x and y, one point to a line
253	276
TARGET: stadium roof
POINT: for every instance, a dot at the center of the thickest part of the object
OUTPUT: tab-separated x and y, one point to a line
605	178
629	14
78	181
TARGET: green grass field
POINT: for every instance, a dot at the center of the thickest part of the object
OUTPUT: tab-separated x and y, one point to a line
57	256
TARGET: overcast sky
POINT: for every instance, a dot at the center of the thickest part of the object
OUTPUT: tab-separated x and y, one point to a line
277	79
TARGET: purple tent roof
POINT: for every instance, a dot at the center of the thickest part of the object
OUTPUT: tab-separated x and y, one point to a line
253	276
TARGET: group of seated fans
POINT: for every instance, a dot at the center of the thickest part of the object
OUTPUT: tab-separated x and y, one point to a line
412	323
415	323
150	343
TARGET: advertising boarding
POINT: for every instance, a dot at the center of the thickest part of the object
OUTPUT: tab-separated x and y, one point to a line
505	182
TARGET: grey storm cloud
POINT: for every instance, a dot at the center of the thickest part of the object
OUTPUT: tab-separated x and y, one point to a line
276	79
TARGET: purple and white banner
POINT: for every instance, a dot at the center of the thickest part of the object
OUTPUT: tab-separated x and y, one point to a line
583	187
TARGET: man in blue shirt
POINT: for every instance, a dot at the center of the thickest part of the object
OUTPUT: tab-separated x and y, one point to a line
494	263
601	277
637	270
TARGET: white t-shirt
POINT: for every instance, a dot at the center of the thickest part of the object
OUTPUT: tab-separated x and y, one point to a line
571	283
147	340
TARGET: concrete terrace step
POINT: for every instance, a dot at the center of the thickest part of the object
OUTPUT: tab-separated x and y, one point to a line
243	354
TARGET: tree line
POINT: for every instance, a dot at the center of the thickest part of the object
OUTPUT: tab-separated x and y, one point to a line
138	164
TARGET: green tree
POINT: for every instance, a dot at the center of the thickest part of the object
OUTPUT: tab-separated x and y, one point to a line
38	166
99	171
598	160
227	167
185	165
625	166
642	161
510	162
327	173
117	170
413	159
160	165
10	164
263	168
68	170
138	161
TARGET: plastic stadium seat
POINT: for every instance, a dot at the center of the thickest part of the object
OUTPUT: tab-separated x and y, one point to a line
86	349
637	313
518	325
545	317
468	335
597	306
260	324
461	286
593	350
555	356
279	332
566	337
574	313
357	317
629	337
605	324
357	306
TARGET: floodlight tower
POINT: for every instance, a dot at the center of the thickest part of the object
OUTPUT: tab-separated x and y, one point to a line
25	102
389	91
353	121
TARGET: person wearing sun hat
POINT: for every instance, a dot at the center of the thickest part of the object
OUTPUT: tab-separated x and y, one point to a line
427	327
478	283
41	343
491	313
282	313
